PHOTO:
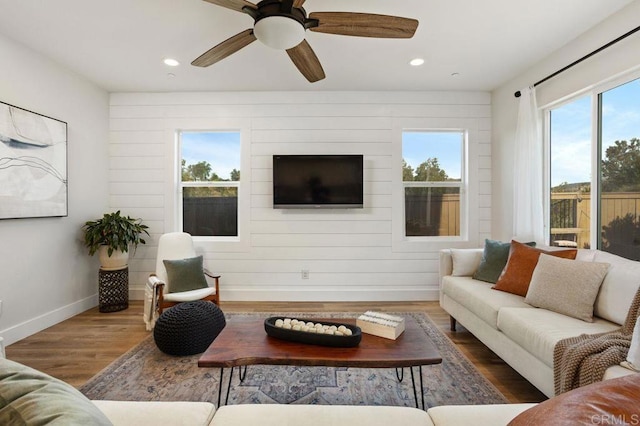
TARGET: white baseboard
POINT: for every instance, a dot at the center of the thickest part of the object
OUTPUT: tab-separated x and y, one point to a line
39	323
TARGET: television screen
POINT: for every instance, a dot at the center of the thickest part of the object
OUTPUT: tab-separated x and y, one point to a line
318	181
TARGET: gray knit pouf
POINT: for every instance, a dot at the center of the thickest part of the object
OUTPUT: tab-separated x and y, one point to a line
188	328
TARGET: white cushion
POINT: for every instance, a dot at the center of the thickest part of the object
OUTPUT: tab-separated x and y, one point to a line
175	413
538	330
618	287
616	371
479	298
465	262
586	255
566	286
465	415
318	415
191	295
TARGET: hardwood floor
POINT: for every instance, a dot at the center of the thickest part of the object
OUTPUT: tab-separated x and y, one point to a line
80	347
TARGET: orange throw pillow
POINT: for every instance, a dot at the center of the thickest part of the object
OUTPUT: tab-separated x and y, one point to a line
522	261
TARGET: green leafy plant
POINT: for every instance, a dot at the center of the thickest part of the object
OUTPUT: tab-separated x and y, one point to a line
114	231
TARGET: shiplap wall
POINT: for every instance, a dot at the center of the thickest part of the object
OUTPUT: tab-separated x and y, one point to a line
350	253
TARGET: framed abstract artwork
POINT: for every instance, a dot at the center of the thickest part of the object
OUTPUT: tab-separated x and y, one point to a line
33	164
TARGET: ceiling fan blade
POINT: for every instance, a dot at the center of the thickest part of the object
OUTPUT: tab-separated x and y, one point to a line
305	59
298	3
233	4
364	24
224	49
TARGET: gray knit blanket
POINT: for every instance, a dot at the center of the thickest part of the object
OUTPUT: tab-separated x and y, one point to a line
582	360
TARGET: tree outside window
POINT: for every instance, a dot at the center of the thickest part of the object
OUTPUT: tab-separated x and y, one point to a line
209	183
432	180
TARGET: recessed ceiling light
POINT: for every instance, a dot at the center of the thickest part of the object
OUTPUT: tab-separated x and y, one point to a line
171	62
416	62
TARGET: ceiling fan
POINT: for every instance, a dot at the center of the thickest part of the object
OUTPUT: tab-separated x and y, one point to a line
281	24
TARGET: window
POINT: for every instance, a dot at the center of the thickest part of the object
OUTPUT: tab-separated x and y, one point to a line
570	155
432	177
614	169
209	167
619	170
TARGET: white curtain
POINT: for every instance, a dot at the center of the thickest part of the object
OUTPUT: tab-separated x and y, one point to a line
528	210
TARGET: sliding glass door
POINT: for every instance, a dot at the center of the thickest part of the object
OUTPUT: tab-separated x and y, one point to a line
594	170
619	195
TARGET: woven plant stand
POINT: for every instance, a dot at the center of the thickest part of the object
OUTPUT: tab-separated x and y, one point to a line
188	328
113	290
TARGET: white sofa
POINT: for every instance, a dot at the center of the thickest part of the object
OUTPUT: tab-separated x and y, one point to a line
28	396
524	336
203	413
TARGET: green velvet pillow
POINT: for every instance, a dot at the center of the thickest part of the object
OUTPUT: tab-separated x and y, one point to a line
494	259
185	274
28	396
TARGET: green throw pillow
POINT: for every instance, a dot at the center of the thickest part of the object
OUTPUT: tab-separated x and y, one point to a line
185	274
494	259
30	397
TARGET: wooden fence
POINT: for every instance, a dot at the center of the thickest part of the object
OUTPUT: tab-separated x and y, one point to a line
619	216
432	214
210	216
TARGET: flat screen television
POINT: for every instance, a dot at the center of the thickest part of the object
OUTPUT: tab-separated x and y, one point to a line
318	181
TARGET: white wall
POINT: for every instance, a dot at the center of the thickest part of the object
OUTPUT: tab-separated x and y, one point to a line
618	59
351	254
46	276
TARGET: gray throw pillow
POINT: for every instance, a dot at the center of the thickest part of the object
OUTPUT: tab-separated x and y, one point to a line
185	274
566	286
494	259
30	397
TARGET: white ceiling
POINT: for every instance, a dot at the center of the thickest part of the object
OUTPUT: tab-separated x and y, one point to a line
120	44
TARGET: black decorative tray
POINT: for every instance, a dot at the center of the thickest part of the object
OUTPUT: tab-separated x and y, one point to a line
314	338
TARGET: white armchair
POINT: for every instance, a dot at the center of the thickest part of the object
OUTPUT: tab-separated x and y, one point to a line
174	246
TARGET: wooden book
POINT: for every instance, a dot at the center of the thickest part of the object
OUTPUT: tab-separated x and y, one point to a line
381	324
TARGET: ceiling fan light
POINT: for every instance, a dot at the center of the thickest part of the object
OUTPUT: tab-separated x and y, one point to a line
279	32
171	62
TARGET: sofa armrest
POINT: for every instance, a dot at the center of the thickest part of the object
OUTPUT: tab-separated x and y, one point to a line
492	414
140	413
446	264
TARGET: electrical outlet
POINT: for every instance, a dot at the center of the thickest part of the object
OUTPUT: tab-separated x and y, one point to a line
305	274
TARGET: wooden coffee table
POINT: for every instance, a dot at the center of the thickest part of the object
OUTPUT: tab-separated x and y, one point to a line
244	342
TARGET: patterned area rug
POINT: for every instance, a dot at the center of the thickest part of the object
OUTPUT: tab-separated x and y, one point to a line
147	374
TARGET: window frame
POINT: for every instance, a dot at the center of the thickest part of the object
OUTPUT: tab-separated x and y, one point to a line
469	185
206	184
438	184
173	210
595	92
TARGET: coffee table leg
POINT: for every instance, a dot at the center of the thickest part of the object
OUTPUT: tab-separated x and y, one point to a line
226	401
243	373
413	383
220	386
400	374
421	387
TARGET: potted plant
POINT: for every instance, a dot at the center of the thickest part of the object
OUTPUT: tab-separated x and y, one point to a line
111	236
